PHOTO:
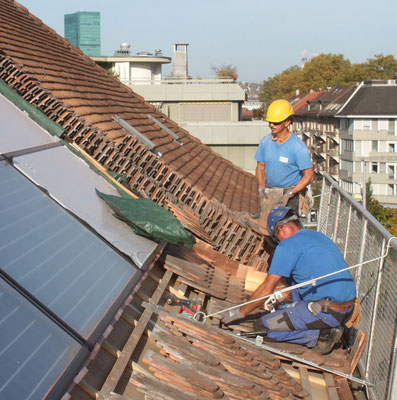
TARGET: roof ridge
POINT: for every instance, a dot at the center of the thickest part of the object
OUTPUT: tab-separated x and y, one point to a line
63	40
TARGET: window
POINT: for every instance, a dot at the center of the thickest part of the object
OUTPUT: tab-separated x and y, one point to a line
367	124
374	167
392	147
392	171
391	190
358	124
383	125
382	167
347	186
374	123
347	165
347	145
374	145
392	128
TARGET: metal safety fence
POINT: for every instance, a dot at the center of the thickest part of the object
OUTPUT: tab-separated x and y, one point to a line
361	237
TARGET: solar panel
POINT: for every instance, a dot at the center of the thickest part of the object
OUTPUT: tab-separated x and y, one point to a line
34	351
57	259
72	183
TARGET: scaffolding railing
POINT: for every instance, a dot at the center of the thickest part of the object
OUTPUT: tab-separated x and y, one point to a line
361	237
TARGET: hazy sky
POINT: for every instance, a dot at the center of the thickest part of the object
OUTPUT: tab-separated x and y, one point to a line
259	37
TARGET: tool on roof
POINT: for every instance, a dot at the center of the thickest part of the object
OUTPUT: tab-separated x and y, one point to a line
272	298
188	307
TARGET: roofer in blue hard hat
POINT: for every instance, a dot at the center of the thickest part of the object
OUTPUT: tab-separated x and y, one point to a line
317	312
283	160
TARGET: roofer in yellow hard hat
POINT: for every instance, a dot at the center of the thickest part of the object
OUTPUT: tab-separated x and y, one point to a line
283	160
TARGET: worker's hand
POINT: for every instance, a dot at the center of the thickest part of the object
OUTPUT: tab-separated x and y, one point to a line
231	316
261	194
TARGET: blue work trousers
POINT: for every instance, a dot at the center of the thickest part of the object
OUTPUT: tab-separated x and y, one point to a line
297	324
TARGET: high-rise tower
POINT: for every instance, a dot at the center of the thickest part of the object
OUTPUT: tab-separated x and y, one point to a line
83	30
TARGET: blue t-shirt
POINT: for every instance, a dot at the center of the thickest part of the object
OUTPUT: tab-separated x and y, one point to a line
310	254
283	162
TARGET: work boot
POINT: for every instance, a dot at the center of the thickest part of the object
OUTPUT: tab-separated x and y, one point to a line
327	339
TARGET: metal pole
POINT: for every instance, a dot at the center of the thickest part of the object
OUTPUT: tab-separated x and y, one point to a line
365	185
374	312
392	386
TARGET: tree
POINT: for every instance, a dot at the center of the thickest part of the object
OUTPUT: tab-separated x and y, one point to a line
385	215
325	70
380	67
225	71
281	85
321	71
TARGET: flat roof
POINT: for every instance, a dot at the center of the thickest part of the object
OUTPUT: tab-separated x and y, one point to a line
135	59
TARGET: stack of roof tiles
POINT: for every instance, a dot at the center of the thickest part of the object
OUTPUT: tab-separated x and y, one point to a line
80	96
197	361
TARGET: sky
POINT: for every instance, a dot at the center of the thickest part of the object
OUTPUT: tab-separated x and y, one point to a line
259	37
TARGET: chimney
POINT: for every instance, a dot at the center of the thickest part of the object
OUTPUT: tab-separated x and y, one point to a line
180	61
297	92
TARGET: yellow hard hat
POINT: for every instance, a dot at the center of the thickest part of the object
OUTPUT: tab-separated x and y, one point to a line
279	111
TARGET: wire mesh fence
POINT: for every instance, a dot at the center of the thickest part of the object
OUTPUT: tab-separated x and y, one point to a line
361	237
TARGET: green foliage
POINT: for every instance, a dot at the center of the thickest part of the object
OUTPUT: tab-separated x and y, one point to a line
385	215
225	71
112	72
325	70
316	187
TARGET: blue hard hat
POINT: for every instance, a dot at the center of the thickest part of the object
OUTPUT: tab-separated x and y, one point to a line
275	216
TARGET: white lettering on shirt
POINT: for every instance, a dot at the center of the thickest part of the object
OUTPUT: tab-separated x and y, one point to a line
283	159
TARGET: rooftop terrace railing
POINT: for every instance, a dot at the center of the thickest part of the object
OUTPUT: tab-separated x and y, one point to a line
174	81
361	237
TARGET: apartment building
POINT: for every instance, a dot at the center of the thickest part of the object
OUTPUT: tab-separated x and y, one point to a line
316	123
368	141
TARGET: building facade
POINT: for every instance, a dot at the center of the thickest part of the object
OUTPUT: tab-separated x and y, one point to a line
142	68
319	129
369	141
83	30
210	109
351	134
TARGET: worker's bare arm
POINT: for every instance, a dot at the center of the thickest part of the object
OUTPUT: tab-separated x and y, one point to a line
307	179
267	287
260	174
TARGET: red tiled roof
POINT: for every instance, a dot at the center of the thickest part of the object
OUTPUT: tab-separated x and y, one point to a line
299	103
79	95
325	103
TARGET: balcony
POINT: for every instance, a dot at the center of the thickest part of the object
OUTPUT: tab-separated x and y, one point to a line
334	153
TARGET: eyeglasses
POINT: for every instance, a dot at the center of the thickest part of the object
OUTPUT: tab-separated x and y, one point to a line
276	123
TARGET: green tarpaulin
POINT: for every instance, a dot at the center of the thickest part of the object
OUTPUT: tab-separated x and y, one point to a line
148	219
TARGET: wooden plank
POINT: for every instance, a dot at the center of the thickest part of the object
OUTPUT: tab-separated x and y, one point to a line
182	289
304	378
357	350
331	387
122	361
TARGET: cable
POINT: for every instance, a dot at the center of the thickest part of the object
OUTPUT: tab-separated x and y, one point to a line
298	285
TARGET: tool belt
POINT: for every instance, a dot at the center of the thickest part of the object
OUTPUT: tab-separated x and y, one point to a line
335	306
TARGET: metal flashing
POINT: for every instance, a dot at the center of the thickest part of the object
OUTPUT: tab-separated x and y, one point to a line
168	130
148	143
